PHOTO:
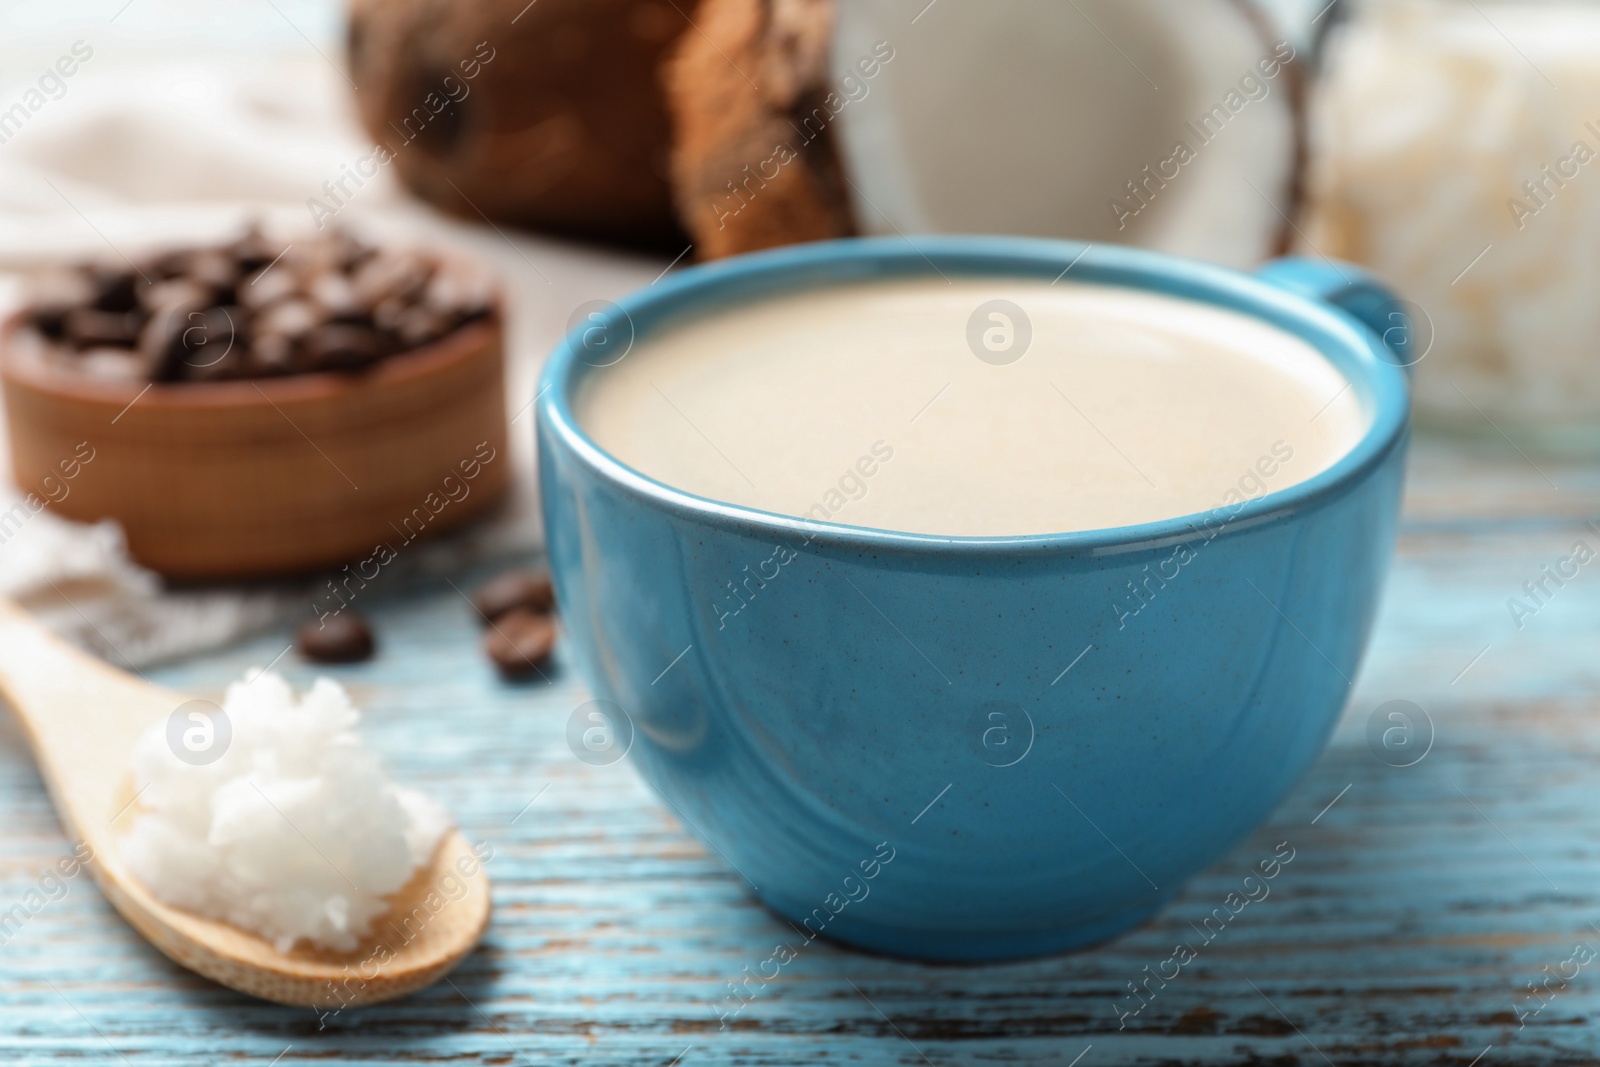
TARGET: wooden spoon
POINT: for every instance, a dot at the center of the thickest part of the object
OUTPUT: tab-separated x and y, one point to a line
83	717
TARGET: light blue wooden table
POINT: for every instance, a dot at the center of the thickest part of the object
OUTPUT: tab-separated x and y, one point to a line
1420	903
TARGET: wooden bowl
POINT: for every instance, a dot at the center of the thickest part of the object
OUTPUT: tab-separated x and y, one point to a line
244	479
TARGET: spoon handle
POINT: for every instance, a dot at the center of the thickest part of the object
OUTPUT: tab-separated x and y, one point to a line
81	717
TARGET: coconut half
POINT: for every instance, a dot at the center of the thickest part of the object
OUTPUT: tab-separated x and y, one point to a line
1172	124
1175	125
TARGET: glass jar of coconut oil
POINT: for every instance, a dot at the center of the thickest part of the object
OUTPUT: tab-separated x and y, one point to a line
1457	147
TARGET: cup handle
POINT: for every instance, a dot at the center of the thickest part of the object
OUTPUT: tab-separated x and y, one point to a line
1352	290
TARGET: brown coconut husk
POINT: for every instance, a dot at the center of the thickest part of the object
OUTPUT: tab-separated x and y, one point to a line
754	161
563	128
640	121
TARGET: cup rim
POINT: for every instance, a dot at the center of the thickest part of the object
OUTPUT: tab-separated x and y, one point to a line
1355	351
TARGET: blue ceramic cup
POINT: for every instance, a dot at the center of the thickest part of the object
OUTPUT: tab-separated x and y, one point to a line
941	785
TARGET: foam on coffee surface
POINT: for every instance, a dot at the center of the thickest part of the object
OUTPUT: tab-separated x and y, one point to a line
925	406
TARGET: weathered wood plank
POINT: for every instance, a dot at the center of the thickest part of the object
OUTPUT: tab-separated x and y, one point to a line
1414	913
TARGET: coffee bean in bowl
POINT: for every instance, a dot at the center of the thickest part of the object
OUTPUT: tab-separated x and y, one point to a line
262	406
255	309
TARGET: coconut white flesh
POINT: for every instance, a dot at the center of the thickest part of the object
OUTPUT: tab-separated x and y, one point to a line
1030	117
1448	163
294	832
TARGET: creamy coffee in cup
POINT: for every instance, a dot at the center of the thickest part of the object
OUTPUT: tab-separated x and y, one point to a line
974	406
998	708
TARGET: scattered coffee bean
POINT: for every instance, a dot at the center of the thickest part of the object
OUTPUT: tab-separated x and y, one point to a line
519	642
255	308
341	638
529	590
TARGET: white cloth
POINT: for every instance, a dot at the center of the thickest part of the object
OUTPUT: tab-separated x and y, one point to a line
156	141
